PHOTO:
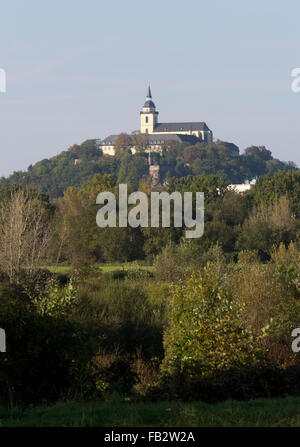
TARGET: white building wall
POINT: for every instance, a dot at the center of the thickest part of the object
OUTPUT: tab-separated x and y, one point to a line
108	150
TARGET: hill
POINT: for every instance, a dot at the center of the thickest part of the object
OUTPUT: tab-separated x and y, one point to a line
79	163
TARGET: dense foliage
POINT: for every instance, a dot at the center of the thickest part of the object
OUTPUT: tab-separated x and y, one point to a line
210	319
80	162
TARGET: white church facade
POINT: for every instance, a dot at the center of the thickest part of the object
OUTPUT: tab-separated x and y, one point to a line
158	134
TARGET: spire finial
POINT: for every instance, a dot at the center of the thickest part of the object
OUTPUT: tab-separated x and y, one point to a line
149	92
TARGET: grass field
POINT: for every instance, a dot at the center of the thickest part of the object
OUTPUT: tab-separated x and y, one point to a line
63	269
283	412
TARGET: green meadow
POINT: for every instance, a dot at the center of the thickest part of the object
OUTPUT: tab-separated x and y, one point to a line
117	412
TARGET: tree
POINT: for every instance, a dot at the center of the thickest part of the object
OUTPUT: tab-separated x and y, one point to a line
74	149
283	183
24	233
132	169
78	238
267	226
191	153
259	152
123	143
211	185
140	142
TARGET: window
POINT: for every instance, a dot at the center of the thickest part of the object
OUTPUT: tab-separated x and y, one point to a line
146	119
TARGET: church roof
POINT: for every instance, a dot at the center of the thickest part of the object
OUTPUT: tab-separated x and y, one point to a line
178	127
109	141
160	138
156	138
149	103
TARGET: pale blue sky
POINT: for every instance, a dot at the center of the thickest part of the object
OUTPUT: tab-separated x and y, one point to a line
80	69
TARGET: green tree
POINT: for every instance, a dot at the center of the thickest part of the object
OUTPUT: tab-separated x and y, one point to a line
132	169
269	188
123	143
267	226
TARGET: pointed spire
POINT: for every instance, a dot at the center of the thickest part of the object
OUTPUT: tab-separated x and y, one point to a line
149	93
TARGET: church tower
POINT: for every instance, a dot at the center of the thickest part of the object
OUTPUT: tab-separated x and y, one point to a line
148	114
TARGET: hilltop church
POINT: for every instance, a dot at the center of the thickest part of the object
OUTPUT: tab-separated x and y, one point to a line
159	134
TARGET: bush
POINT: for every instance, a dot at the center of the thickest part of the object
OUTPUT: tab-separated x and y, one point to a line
120	316
259	289
246	257
56	301
175	261
287	267
45	356
147	374
234	384
206	333
112	372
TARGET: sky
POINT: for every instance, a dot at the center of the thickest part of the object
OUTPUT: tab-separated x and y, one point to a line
77	70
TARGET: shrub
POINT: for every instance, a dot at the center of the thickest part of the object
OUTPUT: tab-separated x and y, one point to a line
246	257
175	261
112	372
268	225
269	309
287	267
206	333
236	383
56	301
121	316
146	372
259	290
46	357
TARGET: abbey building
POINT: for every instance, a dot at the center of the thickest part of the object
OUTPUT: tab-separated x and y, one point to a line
156	135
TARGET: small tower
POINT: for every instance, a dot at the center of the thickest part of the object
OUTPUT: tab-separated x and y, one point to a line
148	114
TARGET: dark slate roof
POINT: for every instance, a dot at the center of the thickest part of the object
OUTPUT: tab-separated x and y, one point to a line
160	138
149	103
109	141
149	93
177	127
156	139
